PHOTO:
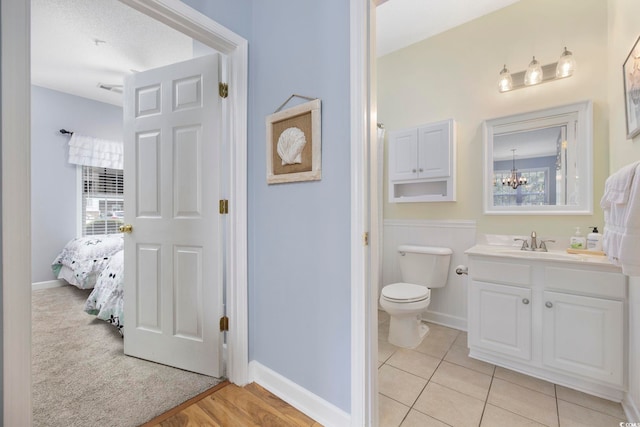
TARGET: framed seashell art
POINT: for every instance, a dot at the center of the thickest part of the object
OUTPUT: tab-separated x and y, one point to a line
294	144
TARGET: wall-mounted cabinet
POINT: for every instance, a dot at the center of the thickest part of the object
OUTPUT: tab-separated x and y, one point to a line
422	163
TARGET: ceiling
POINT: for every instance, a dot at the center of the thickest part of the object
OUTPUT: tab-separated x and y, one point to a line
78	44
400	23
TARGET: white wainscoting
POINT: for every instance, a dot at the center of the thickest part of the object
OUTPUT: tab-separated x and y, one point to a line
449	304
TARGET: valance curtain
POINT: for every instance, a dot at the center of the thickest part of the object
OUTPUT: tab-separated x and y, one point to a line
89	151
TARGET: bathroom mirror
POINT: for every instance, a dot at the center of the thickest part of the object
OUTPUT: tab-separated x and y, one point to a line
540	162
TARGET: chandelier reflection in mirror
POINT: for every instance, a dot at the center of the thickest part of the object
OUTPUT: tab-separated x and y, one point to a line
514	180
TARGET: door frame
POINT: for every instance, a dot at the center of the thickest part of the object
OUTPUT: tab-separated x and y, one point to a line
16	200
364	215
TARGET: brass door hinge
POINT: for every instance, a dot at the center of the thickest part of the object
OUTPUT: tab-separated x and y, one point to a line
224	324
223	90
224	206
365	238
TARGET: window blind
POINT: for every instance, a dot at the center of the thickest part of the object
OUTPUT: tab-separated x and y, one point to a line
102	200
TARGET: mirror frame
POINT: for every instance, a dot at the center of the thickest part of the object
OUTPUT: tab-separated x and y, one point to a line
524	121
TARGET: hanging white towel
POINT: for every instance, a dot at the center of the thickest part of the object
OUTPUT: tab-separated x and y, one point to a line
621	204
89	151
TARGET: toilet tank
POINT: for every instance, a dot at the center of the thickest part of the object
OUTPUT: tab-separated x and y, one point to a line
424	265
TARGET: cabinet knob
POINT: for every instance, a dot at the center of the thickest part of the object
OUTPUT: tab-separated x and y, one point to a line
421	170
548	304
525	300
413	170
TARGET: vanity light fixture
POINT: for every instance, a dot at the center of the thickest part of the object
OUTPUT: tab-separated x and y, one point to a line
534	73
537	73
566	64
506	82
514	181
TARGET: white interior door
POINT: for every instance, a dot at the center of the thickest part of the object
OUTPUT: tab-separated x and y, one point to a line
173	256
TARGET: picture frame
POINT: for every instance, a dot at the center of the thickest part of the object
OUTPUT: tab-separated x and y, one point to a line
631	79
294	144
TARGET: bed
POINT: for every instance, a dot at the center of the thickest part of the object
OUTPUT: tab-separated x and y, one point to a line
97	263
83	259
105	301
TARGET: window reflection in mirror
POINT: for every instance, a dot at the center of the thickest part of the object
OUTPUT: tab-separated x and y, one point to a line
539	162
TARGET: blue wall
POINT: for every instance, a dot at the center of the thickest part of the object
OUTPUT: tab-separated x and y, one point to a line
53	180
299	249
1	271
233	14
299	233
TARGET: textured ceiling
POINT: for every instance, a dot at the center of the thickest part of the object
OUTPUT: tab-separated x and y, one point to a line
65	55
400	23
76	44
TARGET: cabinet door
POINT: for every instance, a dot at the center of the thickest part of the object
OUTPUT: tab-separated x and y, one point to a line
500	319
434	150
403	149
584	336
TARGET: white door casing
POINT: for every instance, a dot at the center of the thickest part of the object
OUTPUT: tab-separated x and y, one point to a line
173	257
15	80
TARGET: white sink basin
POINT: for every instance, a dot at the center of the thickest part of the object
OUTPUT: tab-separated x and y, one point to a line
551	255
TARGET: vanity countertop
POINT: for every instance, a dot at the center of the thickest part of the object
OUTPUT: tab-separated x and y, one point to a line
551	256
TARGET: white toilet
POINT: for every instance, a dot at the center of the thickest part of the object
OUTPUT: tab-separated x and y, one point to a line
422	268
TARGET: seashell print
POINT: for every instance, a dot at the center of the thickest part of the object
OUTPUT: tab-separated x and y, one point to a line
290	145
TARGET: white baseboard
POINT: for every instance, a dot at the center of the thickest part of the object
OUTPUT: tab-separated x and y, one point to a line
443	319
300	398
48	284
630	409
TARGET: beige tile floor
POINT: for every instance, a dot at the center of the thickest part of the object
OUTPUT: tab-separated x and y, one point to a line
437	384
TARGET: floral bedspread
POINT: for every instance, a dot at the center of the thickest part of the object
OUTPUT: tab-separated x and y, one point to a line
106	299
87	257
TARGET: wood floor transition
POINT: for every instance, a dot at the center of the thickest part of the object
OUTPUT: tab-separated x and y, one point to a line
228	405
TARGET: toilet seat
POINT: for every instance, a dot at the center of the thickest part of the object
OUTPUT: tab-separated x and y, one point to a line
405	292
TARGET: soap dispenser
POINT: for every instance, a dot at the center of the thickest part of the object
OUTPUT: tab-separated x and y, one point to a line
578	241
594	240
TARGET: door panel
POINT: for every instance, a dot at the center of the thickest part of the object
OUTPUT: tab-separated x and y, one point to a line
500	319
173	276
403	148
584	335
434	151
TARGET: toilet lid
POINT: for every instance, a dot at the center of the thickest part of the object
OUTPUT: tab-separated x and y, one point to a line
405	292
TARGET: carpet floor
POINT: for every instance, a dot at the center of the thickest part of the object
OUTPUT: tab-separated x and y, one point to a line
81	376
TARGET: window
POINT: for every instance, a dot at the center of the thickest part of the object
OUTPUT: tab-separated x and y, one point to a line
102	200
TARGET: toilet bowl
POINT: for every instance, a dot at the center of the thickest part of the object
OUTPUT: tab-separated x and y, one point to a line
422	267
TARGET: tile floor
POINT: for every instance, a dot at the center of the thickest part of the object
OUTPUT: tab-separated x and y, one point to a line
437	384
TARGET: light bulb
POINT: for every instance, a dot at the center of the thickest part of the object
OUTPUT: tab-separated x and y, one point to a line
566	64
533	76
505	83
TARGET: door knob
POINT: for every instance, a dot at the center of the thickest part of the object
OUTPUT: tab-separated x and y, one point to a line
128	228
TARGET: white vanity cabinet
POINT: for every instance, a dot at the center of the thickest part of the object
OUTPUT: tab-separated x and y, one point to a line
557	320
502	319
422	163
583	322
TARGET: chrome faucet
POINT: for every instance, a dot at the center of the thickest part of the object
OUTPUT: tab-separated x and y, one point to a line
534	243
